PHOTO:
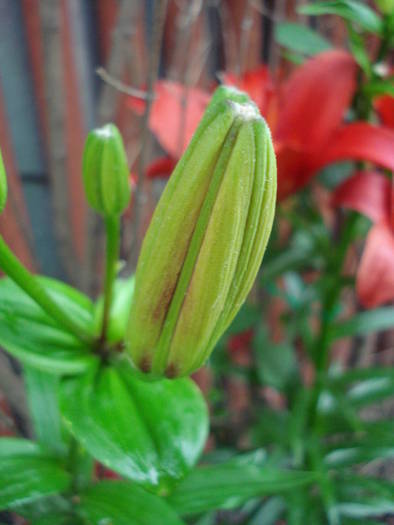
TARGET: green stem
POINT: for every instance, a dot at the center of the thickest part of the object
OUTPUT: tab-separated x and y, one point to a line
321	349
112	225
11	265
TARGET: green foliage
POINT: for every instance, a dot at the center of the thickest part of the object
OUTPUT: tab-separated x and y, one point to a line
27	473
379	86
42	396
125	503
228	485
364	323
300	39
317	434
29	334
151	432
351	10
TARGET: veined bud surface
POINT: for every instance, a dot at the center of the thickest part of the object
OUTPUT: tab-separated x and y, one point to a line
3	185
206	240
106	171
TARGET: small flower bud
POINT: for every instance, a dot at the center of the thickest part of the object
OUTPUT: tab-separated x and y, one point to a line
3	185
206	240
106	171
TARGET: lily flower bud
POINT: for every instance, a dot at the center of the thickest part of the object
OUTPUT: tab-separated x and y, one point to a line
3	185
206	240
106	171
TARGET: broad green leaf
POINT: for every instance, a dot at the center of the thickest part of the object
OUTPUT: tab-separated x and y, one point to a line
227	486
27	474
124	503
29	334
364	323
42	391
120	309
351	10
151	432
300	38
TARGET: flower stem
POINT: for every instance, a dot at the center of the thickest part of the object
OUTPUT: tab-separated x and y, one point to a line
11	265
321	349
112	226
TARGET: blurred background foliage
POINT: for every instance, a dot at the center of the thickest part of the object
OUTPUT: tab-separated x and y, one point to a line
304	376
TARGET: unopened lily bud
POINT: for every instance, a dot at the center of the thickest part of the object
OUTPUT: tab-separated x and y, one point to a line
3	185
106	171
206	240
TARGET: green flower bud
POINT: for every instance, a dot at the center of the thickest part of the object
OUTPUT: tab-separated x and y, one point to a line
206	240
106	171
3	185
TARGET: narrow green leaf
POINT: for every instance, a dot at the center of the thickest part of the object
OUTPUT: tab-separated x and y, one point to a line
42	389
371	390
380	87
276	363
364	323
362	496
124	503
227	486
59	519
347	377
293	58
53	505
368	507
292	259
269	513
357	12
28	334
75	302
344	457
300	38
27	474
151	432
359	50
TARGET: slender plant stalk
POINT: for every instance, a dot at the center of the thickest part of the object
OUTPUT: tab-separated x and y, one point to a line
112	226
362	106
154	59
11	265
322	345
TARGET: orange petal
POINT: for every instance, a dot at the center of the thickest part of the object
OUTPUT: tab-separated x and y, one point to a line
375	277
